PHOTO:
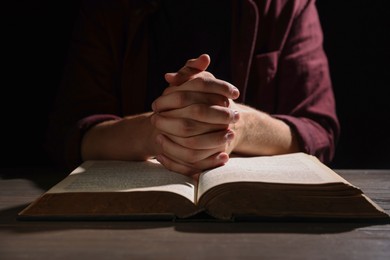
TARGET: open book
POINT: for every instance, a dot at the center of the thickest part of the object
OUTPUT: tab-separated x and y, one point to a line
293	185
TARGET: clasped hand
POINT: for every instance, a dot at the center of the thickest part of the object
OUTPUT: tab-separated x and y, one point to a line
194	118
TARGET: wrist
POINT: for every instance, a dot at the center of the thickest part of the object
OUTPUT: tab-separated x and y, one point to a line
130	138
94	141
258	133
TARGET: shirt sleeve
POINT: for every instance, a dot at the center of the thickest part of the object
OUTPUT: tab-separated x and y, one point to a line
306	100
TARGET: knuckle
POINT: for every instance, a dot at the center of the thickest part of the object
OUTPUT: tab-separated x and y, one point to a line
225	86
189	142
208	75
201	81
183	73
179	168
187	127
181	98
198	110
192	156
227	115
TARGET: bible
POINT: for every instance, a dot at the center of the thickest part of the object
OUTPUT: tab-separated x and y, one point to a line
294	185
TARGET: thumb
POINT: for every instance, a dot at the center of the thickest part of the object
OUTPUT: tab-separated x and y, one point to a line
189	70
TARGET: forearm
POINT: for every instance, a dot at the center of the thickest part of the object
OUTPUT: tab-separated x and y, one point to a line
260	134
129	138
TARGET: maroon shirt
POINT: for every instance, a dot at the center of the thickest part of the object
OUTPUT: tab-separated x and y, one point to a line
276	60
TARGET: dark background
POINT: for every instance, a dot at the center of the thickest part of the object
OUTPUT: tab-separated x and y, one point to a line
34	41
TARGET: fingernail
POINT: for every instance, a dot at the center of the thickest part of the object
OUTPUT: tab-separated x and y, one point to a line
223	157
236	116
235	93
229	136
226	103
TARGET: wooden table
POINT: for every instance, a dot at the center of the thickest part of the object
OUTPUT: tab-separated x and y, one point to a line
185	240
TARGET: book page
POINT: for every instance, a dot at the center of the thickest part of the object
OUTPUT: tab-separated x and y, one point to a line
296	168
123	176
